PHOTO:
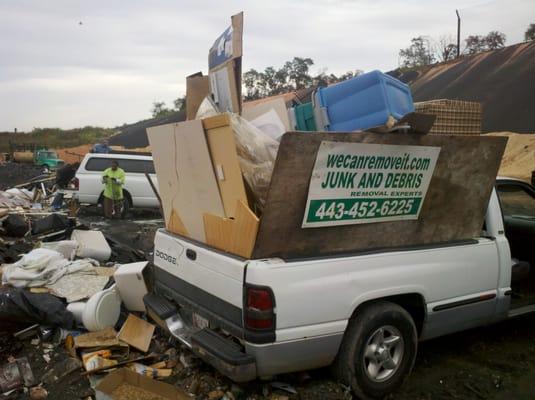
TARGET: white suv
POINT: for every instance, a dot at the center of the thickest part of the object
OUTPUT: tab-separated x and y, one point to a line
137	190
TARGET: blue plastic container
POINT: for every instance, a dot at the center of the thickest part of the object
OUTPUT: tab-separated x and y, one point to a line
363	102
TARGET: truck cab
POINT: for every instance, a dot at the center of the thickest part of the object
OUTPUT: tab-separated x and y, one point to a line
363	313
48	159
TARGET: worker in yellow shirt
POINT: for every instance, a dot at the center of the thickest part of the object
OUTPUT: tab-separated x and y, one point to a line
113	179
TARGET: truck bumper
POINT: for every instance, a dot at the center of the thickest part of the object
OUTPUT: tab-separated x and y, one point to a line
222	353
247	362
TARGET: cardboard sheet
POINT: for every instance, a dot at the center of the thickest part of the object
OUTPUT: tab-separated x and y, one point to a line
261	116
137	333
224	67
197	88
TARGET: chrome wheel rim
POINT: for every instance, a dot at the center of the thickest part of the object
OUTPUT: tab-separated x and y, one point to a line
383	353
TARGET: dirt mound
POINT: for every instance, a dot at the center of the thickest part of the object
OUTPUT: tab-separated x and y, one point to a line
502	80
73	154
519	158
13	173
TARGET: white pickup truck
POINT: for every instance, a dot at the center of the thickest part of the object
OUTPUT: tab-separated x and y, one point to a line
362	313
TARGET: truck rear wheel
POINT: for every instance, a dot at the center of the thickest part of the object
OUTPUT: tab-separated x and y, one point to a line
378	350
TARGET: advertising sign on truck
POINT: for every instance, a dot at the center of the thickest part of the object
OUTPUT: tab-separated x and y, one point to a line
358	183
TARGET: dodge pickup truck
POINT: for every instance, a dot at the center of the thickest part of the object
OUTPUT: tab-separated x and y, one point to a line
364	313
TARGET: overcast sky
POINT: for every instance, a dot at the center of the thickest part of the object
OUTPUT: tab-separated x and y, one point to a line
56	72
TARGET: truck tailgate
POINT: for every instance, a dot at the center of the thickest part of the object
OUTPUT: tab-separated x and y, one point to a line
209	281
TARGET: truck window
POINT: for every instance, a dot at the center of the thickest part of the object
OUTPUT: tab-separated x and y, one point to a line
129	166
516	201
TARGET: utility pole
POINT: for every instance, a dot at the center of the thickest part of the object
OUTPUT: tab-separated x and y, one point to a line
458	33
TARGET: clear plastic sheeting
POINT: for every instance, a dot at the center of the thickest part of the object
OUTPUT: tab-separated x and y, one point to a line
257	152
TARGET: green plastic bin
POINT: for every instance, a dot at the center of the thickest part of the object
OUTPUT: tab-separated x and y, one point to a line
304	117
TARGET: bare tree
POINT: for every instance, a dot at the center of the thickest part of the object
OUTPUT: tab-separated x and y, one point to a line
495	40
445	48
478	43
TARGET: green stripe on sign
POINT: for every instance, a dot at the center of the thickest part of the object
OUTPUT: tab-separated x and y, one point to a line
361	209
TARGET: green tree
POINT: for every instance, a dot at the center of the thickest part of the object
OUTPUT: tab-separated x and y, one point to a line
296	72
530	33
180	103
159	110
293	75
419	53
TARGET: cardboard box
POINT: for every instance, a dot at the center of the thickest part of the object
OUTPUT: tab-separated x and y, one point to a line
197	88
110	387
224	67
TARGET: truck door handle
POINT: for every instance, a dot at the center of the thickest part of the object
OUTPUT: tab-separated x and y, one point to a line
191	254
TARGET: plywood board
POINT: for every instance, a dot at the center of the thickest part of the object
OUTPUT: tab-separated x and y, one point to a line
222	145
244	231
237	235
218	231
137	333
176	225
188	183
454	207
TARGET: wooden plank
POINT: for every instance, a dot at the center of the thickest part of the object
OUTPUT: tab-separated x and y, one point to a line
244	231
104	338
222	145
454	207
216	121
176	225
218	231
137	333
188	183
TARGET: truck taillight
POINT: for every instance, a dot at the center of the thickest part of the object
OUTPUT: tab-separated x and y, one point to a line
259	308
75	183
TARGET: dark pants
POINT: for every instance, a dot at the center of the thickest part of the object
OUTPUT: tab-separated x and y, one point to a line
112	208
57	203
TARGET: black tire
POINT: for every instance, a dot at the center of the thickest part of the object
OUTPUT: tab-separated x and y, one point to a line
46	168
353	368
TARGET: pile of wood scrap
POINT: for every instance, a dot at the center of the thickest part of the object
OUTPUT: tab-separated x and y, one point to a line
202	187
